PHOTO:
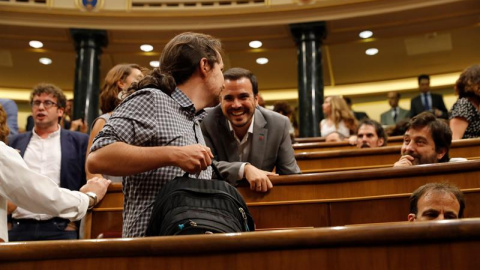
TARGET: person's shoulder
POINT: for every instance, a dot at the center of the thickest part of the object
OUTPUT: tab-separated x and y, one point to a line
415	97
212	113
462	101
13	139
74	134
436	95
271	115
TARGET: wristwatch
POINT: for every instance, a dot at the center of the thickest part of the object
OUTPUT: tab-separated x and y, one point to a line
93	198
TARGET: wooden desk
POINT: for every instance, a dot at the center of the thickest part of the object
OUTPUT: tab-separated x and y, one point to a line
307	147
325	199
453	244
391	139
353	159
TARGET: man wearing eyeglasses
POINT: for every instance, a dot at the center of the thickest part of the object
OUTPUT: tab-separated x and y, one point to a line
54	152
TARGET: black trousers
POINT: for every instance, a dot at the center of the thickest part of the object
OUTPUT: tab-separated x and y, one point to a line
39	230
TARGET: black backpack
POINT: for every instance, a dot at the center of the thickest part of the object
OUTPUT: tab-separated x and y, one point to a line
198	206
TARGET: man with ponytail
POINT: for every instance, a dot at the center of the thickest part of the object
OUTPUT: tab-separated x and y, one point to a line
154	134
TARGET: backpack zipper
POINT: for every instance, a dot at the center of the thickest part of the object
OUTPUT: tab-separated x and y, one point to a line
244	216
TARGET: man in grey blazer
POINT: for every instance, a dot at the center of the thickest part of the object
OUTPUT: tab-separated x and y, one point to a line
248	141
395	114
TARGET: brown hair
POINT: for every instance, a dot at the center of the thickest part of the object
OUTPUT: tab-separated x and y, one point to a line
47	88
446	187
4	131
180	59
340	111
378	129
238	73
441	132
109	92
470	77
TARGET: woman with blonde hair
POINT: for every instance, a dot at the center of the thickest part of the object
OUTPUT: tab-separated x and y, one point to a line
465	113
114	90
4	131
338	118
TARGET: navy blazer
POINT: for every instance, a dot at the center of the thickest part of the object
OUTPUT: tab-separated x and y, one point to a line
74	148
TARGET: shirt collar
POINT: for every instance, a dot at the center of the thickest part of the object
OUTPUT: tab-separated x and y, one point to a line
250	128
186	103
51	135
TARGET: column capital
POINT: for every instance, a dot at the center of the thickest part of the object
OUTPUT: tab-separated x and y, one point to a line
309	31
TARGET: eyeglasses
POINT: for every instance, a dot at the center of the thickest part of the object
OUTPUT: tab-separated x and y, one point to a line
47	104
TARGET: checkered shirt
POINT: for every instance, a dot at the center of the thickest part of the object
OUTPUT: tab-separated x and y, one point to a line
149	118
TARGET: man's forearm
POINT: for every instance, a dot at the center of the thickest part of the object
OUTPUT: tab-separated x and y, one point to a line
121	159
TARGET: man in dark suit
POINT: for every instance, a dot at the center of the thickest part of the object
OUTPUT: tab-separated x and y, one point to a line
54	152
248	141
358	115
427	101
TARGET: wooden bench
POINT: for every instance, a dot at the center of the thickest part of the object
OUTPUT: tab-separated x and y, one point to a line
453	244
354	159
307	147
324	199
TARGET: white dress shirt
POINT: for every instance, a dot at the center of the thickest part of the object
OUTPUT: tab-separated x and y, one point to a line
41	195
43	156
244	146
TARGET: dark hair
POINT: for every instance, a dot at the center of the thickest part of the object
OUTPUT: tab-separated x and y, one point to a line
180	59
423	76
109	93
397	94
466	82
47	88
348	100
282	108
441	132
237	73
446	187
378	129
400	128
4	131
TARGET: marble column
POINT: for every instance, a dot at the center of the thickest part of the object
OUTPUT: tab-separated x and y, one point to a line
88	44
309	37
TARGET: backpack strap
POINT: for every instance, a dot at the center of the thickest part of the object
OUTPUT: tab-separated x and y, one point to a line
215	170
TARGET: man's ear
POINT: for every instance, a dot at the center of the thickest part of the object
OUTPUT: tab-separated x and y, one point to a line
441	153
204	67
380	141
411	217
60	112
121	84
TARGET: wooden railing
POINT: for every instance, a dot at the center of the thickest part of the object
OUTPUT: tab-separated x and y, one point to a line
316	146
354	159
324	199
453	244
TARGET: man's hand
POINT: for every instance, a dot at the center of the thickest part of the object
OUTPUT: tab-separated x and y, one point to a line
352	140
404	161
79	125
258	179
96	185
193	158
437	112
11	207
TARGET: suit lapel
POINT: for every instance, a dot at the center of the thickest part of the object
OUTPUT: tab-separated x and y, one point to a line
259	140
64	149
23	143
